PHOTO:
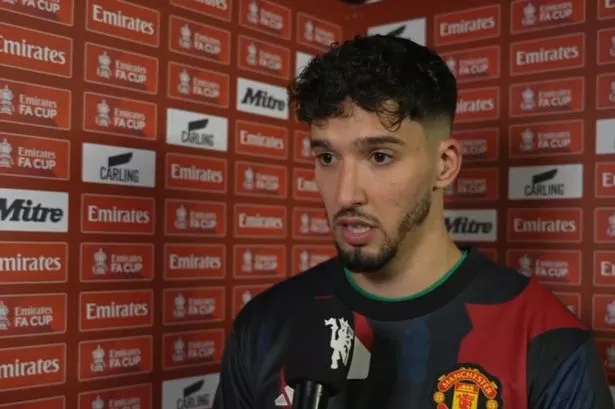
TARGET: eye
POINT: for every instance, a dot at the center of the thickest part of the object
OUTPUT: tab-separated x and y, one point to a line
325	158
381	158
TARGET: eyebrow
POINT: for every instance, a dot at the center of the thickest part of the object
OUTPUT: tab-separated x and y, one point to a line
362	143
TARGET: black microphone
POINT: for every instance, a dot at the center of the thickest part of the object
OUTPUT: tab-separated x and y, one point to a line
319	352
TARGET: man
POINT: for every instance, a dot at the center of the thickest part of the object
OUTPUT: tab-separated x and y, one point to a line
437	326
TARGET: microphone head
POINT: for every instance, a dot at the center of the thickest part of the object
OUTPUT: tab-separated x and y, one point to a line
321	345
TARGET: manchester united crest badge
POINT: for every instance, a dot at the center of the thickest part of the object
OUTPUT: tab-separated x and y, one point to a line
467	386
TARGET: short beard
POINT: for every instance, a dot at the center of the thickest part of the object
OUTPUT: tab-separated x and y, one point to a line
357	260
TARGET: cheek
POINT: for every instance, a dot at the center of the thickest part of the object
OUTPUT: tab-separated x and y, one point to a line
326	187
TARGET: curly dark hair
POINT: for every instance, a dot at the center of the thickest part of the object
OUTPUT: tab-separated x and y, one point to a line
381	74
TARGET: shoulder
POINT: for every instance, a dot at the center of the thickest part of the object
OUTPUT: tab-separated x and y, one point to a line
514	294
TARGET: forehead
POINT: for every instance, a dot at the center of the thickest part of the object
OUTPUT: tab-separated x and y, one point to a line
358	125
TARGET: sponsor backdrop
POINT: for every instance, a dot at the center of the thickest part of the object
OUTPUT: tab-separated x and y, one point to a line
152	181
536	118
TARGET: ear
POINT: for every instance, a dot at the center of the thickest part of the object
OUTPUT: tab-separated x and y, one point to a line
449	162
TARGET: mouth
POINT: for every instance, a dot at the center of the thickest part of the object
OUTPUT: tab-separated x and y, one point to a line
355	231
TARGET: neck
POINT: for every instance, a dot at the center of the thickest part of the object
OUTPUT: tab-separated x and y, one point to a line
421	261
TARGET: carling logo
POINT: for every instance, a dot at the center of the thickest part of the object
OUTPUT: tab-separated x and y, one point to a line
536	15
116	165
139	396
34	157
194	218
605	136
197	130
263	99
605	90
120	116
115	357
545	182
254	261
310	223
123	20
258	221
561	96
476	64
55	11
263	57
547	54
116	262
479	145
193	305
196	173
36	51
472	225
33	262
606	46
195	392
189	261
467	25
194	84
301	61
33	211
266	17
552	225
414	30
32	366
111	214
557	267
317	33
23	315
478	104
258	179
107	310
123	69
261	140
198	40
546	138
35	105
192	348
218	9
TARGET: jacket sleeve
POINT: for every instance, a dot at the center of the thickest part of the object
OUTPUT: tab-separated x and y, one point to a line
565	372
234	389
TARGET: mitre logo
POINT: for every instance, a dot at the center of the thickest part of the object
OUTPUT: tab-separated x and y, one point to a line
263	99
33	210
472	225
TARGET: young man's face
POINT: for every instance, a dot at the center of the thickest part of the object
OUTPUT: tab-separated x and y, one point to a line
376	185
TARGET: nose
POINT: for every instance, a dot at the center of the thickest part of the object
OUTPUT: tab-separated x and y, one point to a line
350	191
